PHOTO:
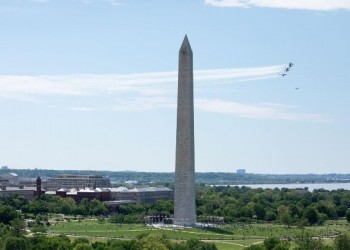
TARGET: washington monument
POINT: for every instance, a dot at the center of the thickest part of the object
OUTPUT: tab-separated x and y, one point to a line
184	202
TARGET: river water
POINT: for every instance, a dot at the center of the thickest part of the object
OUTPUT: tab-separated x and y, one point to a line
310	186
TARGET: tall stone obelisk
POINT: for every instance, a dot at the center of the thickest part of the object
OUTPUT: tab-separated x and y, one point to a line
184	202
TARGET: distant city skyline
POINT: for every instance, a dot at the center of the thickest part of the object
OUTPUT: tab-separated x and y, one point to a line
88	84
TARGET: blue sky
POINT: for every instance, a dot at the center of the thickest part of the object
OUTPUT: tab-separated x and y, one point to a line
91	84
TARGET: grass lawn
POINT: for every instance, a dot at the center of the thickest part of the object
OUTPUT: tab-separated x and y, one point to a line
233	237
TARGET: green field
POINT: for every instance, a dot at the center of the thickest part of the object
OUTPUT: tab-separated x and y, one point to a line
233	237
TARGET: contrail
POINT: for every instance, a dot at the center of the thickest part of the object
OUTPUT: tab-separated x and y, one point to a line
153	83
222	76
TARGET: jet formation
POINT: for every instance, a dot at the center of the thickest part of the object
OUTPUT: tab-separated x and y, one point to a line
284	73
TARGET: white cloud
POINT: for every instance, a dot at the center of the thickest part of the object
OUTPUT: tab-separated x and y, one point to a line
321	5
146	91
144	103
259	111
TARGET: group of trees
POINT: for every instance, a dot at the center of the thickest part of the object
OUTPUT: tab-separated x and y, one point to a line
55	204
304	242
12	225
135	213
288	206
242	204
9	241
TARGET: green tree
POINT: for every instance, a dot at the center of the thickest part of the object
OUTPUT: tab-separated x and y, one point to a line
84	206
79	241
66	205
116	218
38	206
121	244
100	246
284	215
15	243
83	246
255	247
199	245
7	214
282	246
60	242
270	216
259	210
342	242
348	216
311	215
17	227
98	208
5	230
328	208
151	242
305	241
164	207
14	200
271	242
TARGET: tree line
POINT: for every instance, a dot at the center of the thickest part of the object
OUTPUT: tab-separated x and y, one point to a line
235	204
297	207
288	206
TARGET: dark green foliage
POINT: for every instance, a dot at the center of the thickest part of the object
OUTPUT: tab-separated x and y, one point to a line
54	204
7	214
4	230
341	210
243	204
99	246
80	241
282	246
49	243
271	242
342	242
288	206
17	227
270	216
15	243
199	245
255	247
259	210
311	215
151	242
328	208
274	243
284	215
192	244
121	244
306	242
14	200
235	204
83	246
348	216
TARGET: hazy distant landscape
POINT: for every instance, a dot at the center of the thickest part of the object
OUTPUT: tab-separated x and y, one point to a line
211	178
